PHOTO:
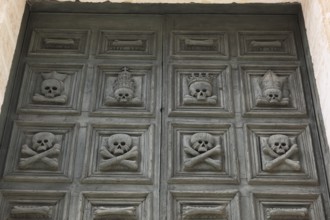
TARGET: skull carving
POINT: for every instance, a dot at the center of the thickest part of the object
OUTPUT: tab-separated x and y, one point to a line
273	95
279	143
124	94
202	142
51	88
200	90
43	141
119	144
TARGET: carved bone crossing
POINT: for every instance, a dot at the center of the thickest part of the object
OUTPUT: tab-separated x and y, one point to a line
122	159
203	157
281	159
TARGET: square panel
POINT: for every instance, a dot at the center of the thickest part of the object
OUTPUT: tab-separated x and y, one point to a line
41	152
281	154
272	91
287	206
203	90
267	44
52	89
127	44
120	153
46	205
199	45
116	205
202	152
124	91
197	205
59	42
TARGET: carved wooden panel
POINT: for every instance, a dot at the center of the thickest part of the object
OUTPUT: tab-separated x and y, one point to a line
125	91
59	42
287	206
127	44
41	151
280	153
272	91
120	153
276	44
116	206
199	152
50	88
217	205
199	45
45	205
200	91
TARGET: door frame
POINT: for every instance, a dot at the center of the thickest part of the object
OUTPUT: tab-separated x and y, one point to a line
9	107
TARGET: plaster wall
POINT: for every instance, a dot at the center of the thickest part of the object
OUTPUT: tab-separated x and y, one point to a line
317	21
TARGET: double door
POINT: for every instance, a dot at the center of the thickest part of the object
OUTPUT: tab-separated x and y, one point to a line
172	117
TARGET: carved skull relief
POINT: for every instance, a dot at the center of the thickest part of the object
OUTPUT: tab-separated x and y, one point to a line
118	153
274	90
42	141
280	153
202	153
42	154
124	88
200	89
119	144
51	89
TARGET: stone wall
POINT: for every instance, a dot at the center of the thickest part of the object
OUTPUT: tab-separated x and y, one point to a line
317	19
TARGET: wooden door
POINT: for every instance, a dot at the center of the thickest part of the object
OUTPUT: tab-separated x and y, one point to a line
176	117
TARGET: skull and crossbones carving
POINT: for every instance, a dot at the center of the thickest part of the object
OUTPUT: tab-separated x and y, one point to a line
124	88
51	89
44	149
117	151
280	153
273	90
202	153
200	89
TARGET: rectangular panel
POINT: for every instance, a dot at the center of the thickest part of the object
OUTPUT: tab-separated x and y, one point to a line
125	90
120	153
200	90
262	44
280	153
41	152
50	88
199	45
59	42
127	44
269	91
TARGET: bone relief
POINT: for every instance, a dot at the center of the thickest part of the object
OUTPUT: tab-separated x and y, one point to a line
51	89
118	153
31	212
124	88
113	213
202	152
42	154
200	89
280	154
274	91
201	212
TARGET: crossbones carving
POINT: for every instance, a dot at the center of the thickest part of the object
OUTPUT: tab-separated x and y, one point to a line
43	149
280	152
117	151
202	150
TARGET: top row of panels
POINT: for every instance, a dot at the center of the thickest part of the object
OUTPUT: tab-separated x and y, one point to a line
143	44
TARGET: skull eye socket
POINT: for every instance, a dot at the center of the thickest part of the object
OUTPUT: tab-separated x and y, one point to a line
54	88
120	94
277	144
271	95
122	143
200	141
276	96
126	94
197	90
45	141
116	143
47	87
283	144
204	90
206	142
39	141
